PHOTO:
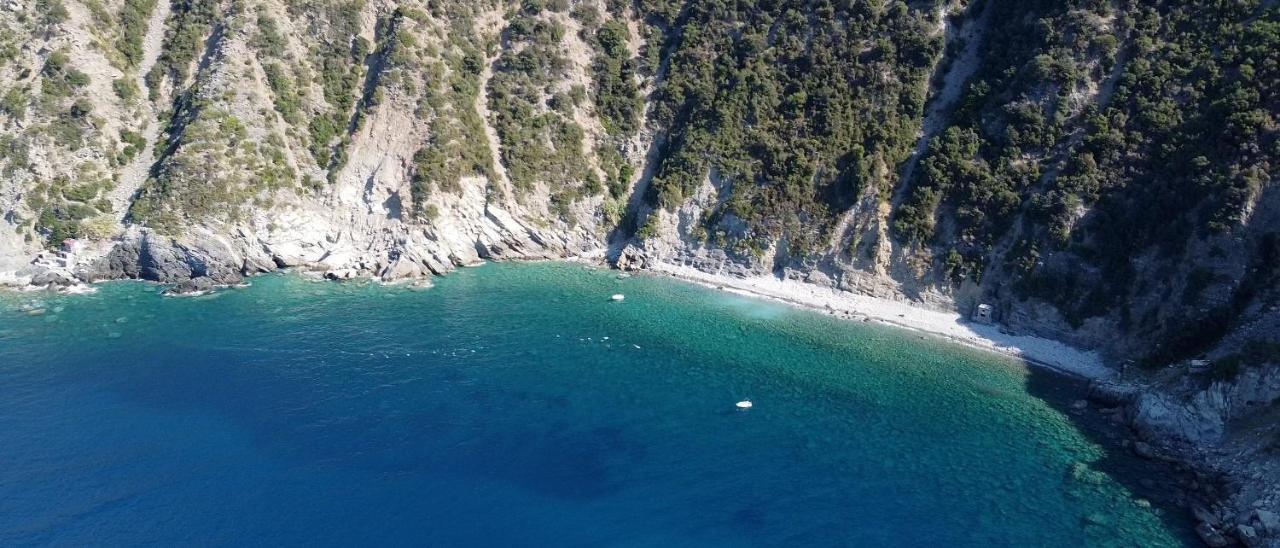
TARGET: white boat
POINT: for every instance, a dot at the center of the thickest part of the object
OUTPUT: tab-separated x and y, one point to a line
744	404
617	297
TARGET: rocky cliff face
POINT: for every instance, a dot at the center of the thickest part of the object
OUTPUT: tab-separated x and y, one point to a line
351	137
1101	172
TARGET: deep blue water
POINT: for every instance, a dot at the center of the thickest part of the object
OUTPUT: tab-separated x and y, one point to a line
514	405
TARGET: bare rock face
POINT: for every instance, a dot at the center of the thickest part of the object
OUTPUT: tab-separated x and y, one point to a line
51	278
1215	424
123	261
630	258
1202	420
1112	393
1204	416
147	255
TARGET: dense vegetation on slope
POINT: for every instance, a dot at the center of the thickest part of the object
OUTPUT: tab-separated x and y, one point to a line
208	166
616	94
796	104
55	104
434	54
1177	152
538	144
1185	140
1042	64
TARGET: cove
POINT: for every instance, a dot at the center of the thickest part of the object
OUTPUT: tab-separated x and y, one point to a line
517	405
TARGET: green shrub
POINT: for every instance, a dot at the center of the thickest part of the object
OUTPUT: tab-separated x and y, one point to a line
134	16
51	12
190	22
14	103
125	88
134	144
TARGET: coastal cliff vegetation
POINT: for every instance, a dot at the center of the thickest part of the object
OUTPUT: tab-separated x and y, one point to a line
1089	166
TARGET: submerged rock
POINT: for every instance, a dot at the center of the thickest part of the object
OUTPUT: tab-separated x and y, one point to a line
1247	535
1268	521
1081	472
1097	518
1211	536
1144	450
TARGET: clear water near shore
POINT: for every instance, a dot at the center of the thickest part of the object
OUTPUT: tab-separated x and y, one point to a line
516	405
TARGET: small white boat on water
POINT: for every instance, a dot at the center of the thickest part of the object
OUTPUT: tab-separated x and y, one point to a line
617	297
744	404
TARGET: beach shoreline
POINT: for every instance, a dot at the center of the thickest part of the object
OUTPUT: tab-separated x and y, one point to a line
951	326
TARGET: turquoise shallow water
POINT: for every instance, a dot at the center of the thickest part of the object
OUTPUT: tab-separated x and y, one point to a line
515	405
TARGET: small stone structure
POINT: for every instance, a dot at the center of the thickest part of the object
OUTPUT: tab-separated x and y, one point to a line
984	314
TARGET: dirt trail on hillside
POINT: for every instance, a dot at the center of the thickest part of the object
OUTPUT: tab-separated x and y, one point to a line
135	174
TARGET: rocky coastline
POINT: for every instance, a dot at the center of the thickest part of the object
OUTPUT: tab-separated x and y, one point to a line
1230	481
869	176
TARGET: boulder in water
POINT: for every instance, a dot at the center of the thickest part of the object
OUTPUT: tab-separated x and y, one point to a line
194	286
46	278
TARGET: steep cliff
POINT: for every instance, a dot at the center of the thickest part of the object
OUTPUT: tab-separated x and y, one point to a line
382	139
1101	172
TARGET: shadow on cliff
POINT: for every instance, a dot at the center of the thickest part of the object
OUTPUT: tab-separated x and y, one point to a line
1153	480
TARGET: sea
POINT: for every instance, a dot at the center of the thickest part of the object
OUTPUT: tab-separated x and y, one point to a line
519	404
